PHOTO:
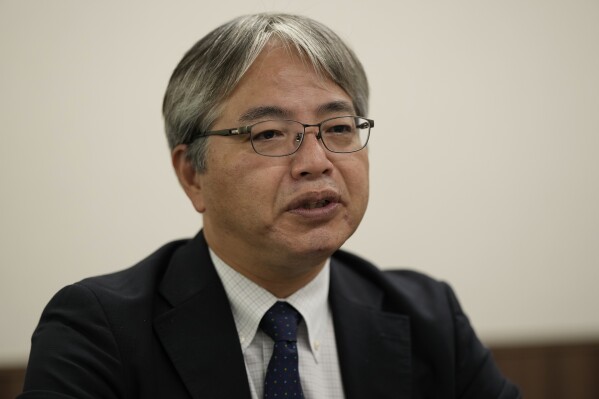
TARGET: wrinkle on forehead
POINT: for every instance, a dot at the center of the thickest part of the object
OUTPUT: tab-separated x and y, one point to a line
275	112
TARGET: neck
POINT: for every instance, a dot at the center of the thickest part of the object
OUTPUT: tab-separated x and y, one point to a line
280	275
280	286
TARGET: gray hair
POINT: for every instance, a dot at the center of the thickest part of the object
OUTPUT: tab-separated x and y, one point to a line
213	67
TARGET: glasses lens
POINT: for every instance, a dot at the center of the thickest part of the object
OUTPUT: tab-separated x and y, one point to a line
276	138
345	134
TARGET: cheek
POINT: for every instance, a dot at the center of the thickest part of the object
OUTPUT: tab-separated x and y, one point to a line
356	176
357	182
251	183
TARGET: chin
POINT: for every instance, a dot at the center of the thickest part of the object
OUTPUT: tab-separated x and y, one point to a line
320	243
301	242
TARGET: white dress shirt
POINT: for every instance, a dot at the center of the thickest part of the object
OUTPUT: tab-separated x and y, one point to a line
317	349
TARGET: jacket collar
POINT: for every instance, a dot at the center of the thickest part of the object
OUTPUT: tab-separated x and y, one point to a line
198	332
200	336
374	346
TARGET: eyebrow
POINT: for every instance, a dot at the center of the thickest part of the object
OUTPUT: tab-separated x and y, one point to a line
274	112
335	106
268	111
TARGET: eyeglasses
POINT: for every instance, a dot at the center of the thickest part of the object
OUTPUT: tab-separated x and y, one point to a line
279	138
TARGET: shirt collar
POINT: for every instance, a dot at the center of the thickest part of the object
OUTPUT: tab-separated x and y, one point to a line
249	302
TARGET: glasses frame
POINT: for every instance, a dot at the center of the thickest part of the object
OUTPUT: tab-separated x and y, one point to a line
237	131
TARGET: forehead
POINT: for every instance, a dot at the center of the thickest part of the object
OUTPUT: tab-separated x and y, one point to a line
282	81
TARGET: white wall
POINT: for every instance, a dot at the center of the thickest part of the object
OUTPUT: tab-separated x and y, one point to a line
485	166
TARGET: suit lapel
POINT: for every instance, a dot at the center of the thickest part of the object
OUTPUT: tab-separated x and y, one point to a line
199	332
374	346
199	335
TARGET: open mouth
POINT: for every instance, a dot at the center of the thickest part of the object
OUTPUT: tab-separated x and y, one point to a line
317	204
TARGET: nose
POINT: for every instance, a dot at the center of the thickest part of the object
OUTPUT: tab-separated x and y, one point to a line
311	159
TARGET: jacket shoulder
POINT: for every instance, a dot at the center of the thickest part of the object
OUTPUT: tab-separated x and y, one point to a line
404	289
442	337
143	277
101	323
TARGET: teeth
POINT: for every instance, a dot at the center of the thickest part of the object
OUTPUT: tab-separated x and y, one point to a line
317	204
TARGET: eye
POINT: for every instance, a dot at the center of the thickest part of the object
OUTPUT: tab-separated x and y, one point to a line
340	129
267	135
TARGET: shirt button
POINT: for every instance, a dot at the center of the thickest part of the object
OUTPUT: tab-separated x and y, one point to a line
242	339
316	345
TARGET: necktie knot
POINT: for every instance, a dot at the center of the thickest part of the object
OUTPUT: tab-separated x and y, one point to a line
280	322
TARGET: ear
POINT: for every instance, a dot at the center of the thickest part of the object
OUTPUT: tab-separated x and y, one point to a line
189	177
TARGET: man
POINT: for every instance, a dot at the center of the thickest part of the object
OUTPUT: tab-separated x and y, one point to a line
266	119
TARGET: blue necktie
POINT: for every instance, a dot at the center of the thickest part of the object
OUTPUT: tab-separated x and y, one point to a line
282	376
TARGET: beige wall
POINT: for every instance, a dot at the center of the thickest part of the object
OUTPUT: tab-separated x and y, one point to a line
485	166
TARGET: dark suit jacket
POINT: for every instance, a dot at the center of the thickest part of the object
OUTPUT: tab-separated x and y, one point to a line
164	329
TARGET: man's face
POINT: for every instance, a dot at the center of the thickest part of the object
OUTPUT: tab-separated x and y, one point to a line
267	210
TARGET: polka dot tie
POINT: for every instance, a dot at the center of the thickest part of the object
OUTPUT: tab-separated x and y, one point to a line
282	376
